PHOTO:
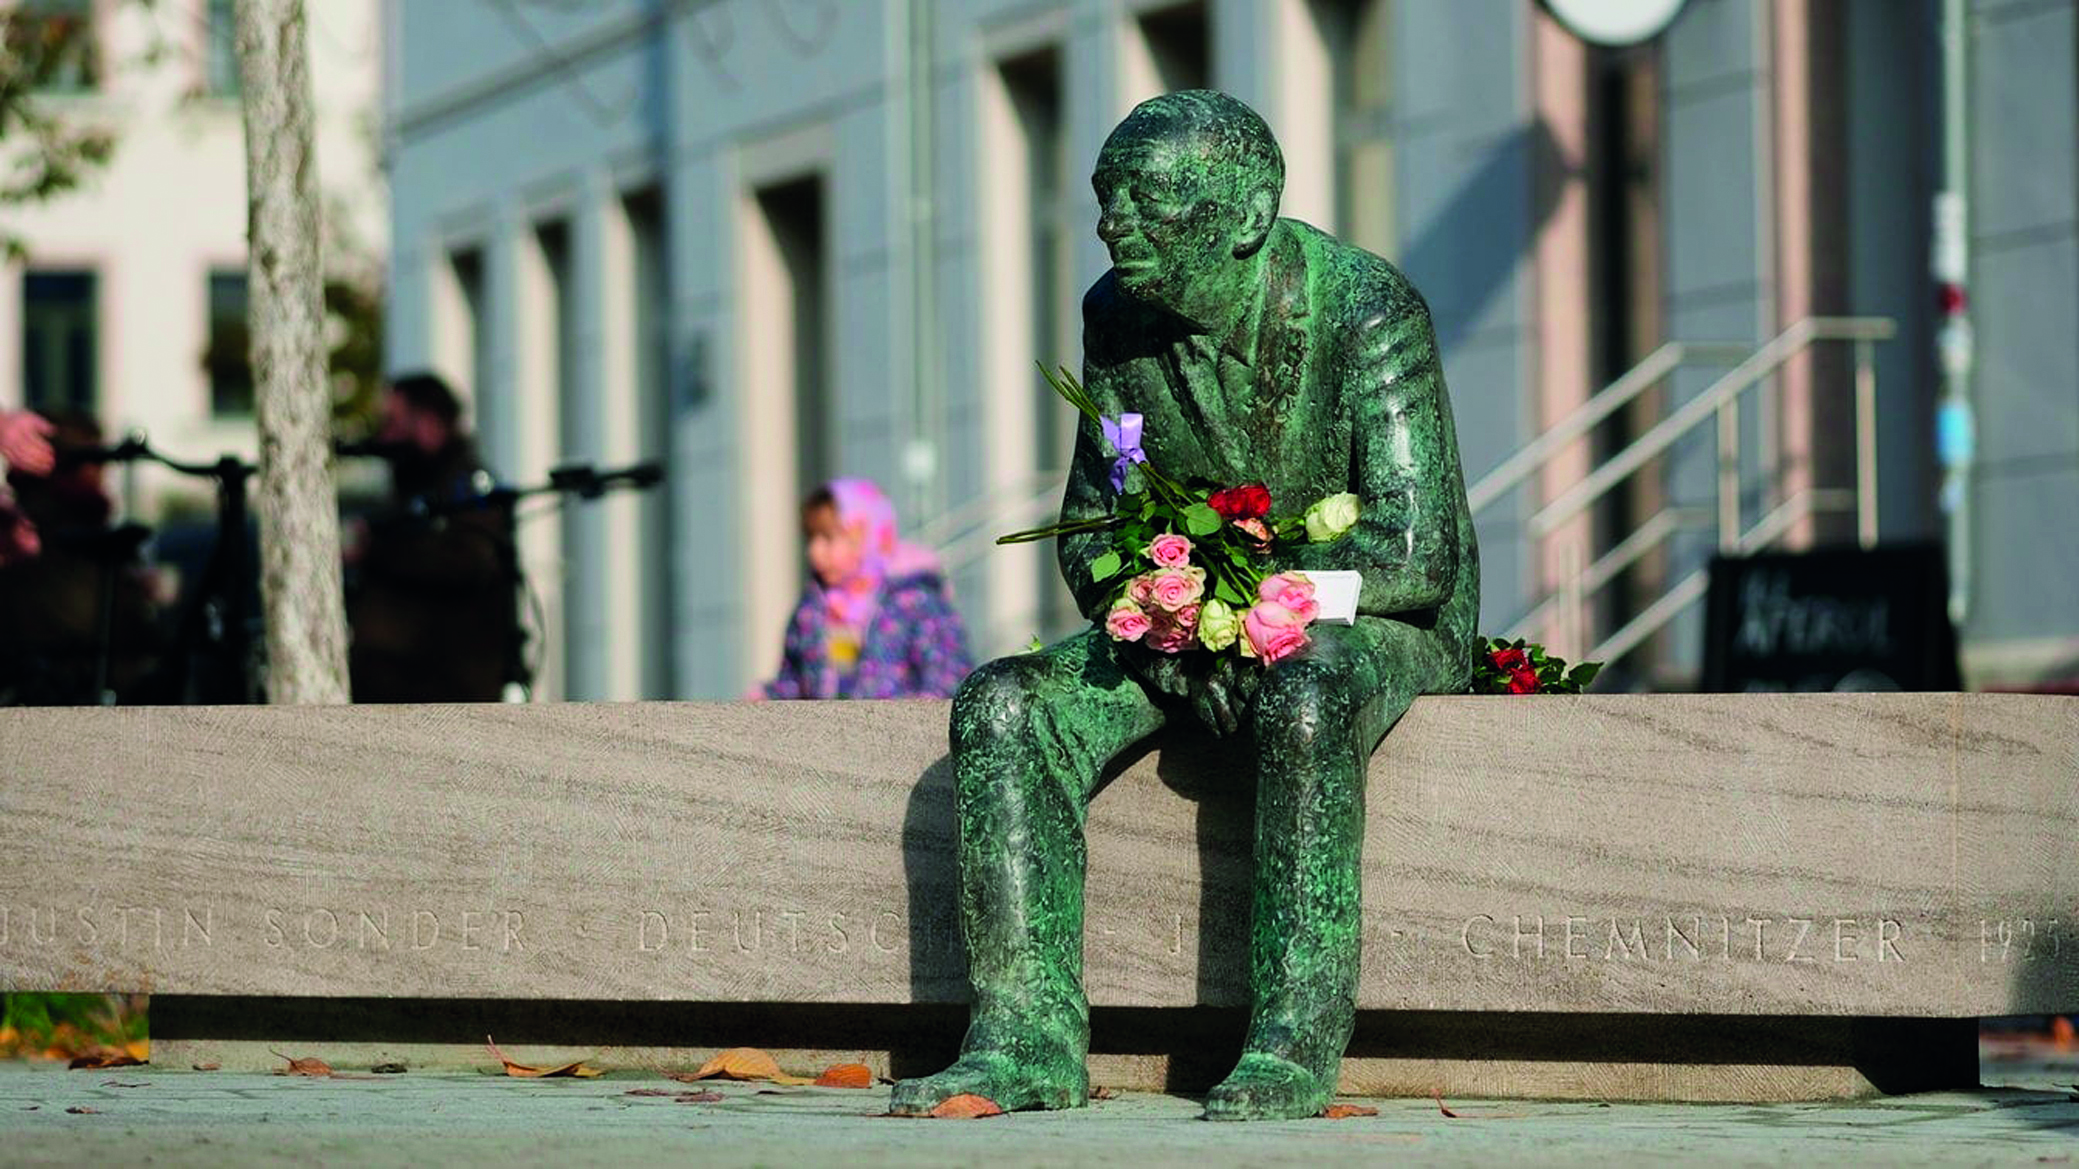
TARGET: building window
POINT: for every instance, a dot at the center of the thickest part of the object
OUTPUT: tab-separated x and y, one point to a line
1356	32
220	59
60	339
1179	46
1032	83
53	40
651	293
795	215
229	356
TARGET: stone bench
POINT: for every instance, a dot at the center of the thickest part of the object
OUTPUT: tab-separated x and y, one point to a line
1675	897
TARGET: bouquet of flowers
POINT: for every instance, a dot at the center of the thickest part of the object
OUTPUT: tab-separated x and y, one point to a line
1188	566
1513	667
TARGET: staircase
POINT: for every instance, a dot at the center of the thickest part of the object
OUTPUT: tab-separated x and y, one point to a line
1565	615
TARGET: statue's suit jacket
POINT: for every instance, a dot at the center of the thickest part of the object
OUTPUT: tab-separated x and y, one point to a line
1345	393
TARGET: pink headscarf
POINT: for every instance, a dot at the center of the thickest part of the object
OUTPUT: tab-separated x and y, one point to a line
883	556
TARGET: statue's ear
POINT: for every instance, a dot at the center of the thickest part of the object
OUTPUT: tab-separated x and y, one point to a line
1259	215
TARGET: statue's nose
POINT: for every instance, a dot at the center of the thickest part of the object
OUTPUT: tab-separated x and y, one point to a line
1113	219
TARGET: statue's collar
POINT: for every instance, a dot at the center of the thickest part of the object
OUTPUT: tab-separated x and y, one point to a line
1281	296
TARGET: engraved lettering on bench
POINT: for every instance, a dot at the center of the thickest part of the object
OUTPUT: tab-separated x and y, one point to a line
1465	936
1804	926
1841	938
1761	925
1696	953
1619	942
1687	938
2027	937
873	933
1540	932
131	926
374	930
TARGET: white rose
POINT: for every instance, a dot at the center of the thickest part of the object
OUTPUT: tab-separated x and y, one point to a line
1331	517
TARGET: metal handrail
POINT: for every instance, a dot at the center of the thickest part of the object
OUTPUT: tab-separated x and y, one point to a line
1691	588
1585	417
1720	401
975	541
947	526
1686	417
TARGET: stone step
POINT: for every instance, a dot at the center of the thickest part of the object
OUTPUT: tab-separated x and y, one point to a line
1780	856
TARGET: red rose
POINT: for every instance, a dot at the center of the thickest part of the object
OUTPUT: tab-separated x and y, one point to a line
1247	502
1523	681
1509	661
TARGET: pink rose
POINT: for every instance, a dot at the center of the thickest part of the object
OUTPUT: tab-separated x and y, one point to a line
1174	588
1141	590
1259	534
1174	632
1126	622
1292	590
1274	631
1170	550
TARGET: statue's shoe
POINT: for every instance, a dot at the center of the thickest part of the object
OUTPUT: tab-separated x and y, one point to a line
1013	1084
1268	1087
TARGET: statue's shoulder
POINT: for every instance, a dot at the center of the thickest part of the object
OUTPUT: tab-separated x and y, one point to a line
1354	288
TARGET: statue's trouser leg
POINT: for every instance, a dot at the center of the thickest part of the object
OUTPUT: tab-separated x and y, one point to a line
1316	720
1030	736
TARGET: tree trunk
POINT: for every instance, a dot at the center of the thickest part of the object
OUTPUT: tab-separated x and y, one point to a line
297	499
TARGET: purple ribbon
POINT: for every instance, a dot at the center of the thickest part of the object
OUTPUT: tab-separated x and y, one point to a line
1124	437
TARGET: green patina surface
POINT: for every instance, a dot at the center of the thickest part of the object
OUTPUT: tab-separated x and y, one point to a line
1258	350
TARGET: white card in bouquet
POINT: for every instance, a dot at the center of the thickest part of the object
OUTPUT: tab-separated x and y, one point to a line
1335	590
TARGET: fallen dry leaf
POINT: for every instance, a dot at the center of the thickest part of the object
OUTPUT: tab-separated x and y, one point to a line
82	1110
966	1106
846	1075
98	1058
308	1066
528	1071
746	1063
649	1092
1438	1095
1345	1111
1103	1093
212	1066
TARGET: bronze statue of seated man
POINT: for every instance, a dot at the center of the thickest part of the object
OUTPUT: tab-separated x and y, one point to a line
1257	350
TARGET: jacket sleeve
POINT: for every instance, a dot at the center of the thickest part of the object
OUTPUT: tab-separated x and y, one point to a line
1406	539
939	656
792	681
1089	473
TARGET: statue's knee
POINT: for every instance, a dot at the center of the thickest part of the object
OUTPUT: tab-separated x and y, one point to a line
992	702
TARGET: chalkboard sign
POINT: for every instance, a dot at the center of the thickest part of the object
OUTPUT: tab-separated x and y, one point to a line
1830	619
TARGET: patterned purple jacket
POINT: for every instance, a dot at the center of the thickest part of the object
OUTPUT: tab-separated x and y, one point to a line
915	647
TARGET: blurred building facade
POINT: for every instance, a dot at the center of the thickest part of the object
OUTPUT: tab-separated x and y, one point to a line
130	303
771	241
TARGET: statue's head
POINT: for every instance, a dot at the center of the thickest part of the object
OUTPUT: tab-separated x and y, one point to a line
1187	192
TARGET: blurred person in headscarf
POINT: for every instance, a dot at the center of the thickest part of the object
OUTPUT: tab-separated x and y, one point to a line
876	619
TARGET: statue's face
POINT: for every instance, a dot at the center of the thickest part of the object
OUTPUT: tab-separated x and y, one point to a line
1170	230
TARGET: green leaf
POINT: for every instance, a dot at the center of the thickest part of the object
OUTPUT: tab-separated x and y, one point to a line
1201	520
1105	566
1227	592
1585	673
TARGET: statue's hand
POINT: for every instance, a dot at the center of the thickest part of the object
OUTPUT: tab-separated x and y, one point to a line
1219	697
